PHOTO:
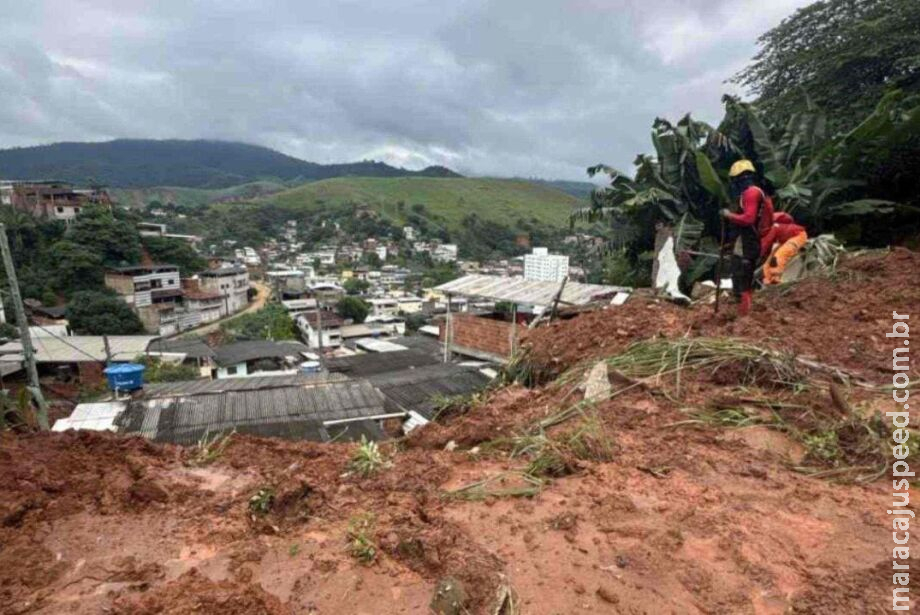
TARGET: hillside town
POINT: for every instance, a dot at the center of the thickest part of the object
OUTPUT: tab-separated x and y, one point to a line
447	339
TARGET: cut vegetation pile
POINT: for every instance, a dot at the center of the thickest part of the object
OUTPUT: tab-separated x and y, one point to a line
659	461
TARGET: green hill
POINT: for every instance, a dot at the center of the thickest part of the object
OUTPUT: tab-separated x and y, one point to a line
193	197
143	163
450	200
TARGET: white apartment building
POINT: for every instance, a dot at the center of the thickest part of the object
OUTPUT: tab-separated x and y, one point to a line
232	283
545	267
445	253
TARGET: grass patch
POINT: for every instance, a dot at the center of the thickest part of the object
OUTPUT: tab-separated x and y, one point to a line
498	487
360	544
367	459
209	450
260	504
661	360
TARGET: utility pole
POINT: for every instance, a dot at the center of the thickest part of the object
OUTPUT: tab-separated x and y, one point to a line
28	352
108	349
319	329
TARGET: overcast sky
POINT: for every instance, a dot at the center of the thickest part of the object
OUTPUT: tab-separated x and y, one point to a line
536	88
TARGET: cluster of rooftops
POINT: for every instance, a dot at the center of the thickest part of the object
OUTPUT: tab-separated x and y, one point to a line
375	395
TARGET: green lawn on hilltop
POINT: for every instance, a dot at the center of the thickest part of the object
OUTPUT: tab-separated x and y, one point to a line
500	200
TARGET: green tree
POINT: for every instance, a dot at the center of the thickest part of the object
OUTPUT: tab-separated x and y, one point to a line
171	251
841	55
75	267
97	313
353	308
158	370
115	240
354	286
820	179
272	322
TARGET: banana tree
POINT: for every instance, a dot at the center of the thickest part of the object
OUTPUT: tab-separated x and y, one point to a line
818	178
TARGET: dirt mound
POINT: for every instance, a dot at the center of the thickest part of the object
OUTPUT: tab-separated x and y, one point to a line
102	472
195	593
806	318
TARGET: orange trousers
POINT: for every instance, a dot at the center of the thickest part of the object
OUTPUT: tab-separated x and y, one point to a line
775	266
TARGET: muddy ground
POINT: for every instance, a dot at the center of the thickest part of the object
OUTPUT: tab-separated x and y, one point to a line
658	513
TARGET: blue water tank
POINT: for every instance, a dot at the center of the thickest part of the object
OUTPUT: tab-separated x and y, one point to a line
125	376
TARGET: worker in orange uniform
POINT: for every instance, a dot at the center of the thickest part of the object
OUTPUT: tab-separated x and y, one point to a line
751	231
790	238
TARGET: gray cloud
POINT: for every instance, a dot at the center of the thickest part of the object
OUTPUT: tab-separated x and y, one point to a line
494	87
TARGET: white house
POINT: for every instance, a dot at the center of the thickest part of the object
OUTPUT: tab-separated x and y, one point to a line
232	283
310	323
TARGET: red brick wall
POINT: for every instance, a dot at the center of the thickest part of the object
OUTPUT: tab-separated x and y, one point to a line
480	333
91	373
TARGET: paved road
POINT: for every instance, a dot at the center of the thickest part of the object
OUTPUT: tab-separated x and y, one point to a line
263	292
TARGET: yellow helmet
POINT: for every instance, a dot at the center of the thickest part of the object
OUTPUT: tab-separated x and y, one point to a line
742	166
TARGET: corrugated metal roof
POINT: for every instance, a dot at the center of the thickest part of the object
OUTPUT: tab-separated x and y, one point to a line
238	352
421	389
83	348
253	383
190	347
284	412
420	343
519	290
364	365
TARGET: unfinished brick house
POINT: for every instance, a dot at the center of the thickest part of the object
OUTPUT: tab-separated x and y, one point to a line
53	200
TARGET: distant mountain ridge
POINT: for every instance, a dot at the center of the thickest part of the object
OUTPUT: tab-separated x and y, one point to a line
144	163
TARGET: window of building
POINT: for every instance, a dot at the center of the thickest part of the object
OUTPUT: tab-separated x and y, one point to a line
60	210
231	371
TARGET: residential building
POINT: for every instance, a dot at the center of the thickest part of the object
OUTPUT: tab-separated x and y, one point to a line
310	323
145	284
296	307
155	229
154	292
231	282
541	266
326	293
261	356
53	200
410	304
208	304
81	357
409	233
386	306
445	253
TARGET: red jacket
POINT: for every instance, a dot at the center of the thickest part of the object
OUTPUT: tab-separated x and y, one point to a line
753	200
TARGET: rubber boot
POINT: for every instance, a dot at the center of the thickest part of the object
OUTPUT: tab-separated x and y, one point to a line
747	301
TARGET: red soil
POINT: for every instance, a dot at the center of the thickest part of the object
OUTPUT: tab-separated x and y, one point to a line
678	520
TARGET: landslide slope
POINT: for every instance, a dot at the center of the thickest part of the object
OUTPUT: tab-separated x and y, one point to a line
705	494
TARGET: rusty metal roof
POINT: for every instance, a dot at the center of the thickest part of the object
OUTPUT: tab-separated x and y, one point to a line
531	292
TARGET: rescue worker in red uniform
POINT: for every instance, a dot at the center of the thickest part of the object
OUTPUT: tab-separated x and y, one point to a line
789	238
752	233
